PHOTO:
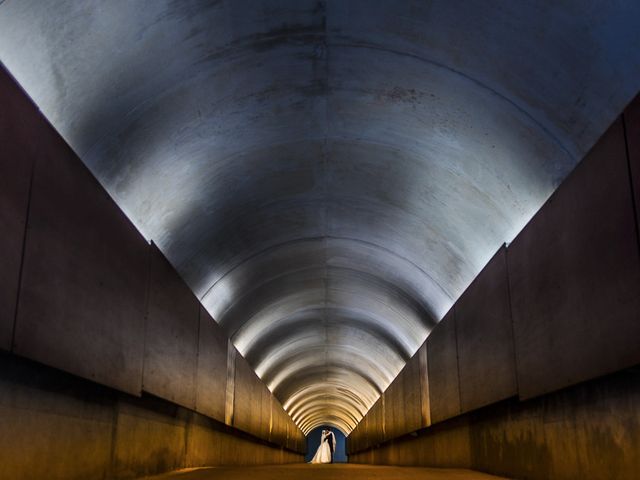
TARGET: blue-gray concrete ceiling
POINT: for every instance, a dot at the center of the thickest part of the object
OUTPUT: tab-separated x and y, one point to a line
328	176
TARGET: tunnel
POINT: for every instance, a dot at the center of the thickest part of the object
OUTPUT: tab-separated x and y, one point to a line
229	226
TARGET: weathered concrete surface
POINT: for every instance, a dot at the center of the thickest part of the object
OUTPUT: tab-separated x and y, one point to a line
631	118
56	426
18	152
377	427
171	335
446	444
444	384
84	276
50	429
211	381
586	431
574	273
88	279
150	437
250	414
326	472
353	163
424	385
575	289
484	334
403	401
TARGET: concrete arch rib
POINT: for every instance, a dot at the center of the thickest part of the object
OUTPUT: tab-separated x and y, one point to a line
304	253
327	175
314	325
299	398
329	421
352	410
330	377
333	356
339	409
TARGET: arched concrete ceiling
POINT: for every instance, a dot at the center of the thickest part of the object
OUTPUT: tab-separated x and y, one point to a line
328	176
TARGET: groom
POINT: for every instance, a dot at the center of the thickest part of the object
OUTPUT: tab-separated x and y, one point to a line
331	438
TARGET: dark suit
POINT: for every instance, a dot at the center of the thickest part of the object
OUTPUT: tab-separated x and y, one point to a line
331	445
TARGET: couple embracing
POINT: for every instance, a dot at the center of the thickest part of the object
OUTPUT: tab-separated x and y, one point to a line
326	448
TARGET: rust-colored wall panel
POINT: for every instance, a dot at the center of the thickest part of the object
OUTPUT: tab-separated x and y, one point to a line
211	379
376	422
171	341
296	440
81	306
412	398
265	412
356	439
575	277
20	122
486	358
149	441
279	429
442	359
393	418
231	383
403	406
424	385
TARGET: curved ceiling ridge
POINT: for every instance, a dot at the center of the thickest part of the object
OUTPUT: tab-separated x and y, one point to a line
261	350
326	268
379	371
321	239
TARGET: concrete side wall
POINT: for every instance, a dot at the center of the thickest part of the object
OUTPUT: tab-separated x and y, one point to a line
171	335
249	414
16	164
525	349
211	382
403	401
443	445
83	279
442	363
60	427
574	273
591	430
85	293
484	332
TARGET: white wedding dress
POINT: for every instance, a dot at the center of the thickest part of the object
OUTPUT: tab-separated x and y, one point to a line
323	455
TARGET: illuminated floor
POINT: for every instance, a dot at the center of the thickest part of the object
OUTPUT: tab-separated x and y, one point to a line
325	472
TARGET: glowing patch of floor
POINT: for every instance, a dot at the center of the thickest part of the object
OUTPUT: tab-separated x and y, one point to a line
325	472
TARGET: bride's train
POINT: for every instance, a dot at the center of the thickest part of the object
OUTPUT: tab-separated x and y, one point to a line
326	448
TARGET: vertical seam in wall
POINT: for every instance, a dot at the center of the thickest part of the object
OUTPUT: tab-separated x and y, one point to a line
270	415
630	175
469	438
187	431
384	416
189	424
147	295
455	334
111	468
425	402
197	368
229	406
22	256
511	322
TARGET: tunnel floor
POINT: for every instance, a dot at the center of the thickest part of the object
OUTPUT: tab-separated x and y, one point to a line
324	472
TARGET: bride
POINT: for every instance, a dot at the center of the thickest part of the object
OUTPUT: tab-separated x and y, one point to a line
326	448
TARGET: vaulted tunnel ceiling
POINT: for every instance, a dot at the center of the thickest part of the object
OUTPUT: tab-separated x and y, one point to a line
328	176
